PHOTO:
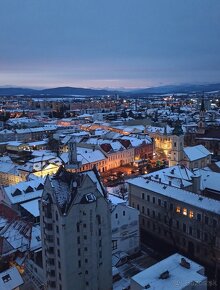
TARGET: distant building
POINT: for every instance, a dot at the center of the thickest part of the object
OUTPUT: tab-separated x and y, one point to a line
175	272
76	232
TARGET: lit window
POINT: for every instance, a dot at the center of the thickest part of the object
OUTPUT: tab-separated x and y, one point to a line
191	214
184	211
178	210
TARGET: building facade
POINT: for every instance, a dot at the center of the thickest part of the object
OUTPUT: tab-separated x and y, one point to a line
188	222
76	232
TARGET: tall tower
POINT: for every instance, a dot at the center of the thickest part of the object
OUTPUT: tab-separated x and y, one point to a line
76	232
177	144
72	151
201	123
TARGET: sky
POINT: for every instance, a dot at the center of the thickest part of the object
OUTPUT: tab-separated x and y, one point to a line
114	44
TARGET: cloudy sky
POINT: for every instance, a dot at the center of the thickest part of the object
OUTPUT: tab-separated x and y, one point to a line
114	43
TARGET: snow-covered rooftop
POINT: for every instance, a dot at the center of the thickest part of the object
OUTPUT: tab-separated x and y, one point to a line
32	207
10	279
24	191
179	194
179	277
196	152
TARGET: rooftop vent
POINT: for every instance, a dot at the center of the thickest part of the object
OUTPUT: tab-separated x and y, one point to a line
184	263
200	198
164	275
147	286
164	187
172	171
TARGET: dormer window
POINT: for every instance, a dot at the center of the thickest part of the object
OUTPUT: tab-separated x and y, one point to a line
16	192
29	189
40	186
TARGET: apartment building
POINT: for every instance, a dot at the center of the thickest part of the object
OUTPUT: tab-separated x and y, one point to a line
76	232
187	221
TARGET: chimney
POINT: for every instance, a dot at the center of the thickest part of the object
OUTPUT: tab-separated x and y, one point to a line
164	275
184	263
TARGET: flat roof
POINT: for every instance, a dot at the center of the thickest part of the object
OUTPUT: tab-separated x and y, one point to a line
179	276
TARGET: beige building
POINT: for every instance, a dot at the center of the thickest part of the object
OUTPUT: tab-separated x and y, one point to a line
76	232
196	157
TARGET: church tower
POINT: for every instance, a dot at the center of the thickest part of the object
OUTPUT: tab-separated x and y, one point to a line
201	123
177	144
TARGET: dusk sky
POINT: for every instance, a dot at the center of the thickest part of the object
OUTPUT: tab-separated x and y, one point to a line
117	43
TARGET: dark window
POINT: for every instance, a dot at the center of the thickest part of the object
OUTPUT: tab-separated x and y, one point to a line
159	201
171	206
84	225
57	229
184	227
77	227
60	276
116	215
100	232
86	260
58	241
153	212
198	234
79	252
85	249
190	231
142	195
85	237
6	278
206	220
148	211
214	223
142	209
153	199
59	266
123	213
148	198
58	253
198	216
165	204
114	245
138	206
79	264
184	242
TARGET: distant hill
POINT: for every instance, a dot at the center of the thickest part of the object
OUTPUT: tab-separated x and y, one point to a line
60	91
172	89
71	91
